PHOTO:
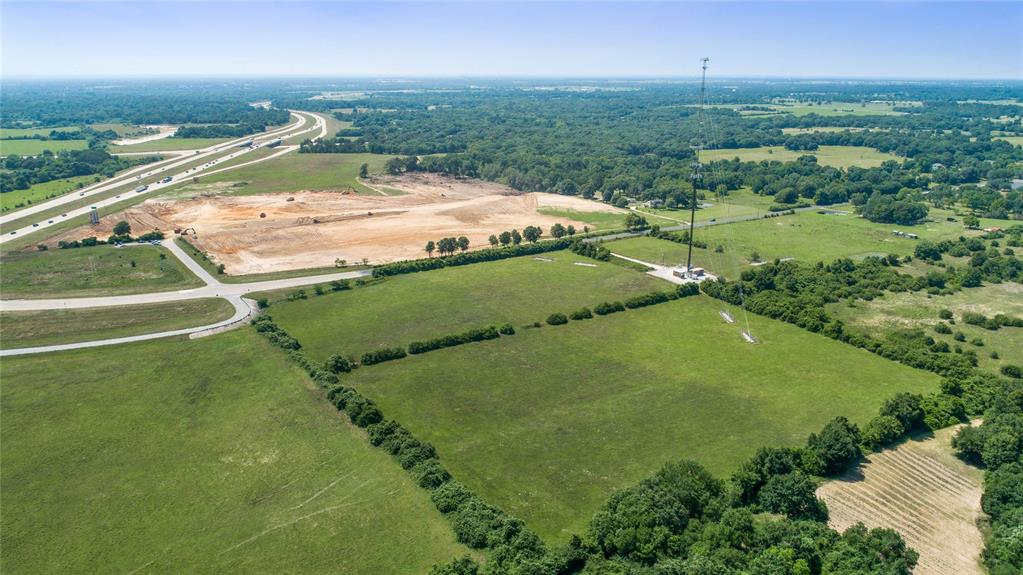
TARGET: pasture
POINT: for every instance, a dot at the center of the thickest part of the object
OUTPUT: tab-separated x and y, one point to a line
919	310
36	147
835	156
841	108
213	455
806	236
548	422
400	309
93	271
35	328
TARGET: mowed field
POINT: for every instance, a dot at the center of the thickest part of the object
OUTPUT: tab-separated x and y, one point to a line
918	310
922	490
93	271
806	236
401	309
835	156
298	172
203	456
35	328
36	147
548	422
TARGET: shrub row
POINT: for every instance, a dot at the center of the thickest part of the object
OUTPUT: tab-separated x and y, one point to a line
991	323
466	258
476	334
382	355
594	250
265	325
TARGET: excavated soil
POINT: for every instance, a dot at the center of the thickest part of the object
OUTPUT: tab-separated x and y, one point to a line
315	228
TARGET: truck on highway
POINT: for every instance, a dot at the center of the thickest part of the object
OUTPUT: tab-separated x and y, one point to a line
246	144
141	189
274	143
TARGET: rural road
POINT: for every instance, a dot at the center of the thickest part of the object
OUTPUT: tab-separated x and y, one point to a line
213	288
162	167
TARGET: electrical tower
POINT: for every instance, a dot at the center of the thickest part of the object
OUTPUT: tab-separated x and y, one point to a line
696	165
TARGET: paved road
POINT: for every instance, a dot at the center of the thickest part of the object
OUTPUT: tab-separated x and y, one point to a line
242	311
162	167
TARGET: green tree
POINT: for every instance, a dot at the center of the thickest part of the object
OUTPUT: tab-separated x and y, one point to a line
493	240
558	230
516	237
430	246
532	233
971	222
505	238
364	171
463	243
122	228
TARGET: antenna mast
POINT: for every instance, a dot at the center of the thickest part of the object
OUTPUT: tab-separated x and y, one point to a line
696	165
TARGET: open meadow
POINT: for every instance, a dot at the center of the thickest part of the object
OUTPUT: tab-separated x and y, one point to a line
835	156
205	456
807	236
451	300
92	271
548	422
911	310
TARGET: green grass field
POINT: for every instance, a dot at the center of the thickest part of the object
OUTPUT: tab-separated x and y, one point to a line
10	200
842	108
1014	140
918	310
296	172
738	203
170	144
596	220
548	422
198	456
836	156
431	304
23	132
95	271
805	236
36	147
34	328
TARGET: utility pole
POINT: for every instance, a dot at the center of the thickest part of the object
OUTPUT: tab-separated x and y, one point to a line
696	165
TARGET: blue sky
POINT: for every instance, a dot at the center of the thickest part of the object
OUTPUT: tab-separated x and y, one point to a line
786	39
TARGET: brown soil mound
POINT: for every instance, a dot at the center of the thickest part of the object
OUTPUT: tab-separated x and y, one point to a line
316	228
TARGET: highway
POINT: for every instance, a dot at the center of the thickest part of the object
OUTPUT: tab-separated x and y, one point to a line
214	153
213	287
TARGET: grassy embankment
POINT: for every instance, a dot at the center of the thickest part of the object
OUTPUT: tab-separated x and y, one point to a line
95	271
36	328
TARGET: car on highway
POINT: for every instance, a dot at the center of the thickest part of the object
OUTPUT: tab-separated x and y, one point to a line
12	233
35	225
63	215
50	222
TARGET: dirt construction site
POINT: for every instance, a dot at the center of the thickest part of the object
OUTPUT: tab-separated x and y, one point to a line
273	232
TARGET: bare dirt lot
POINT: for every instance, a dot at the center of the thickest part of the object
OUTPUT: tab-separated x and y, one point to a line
924	492
272	232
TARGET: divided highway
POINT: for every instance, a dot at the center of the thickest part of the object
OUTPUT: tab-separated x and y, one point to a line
215	154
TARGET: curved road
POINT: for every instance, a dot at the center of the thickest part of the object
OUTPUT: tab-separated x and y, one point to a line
213	288
162	167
